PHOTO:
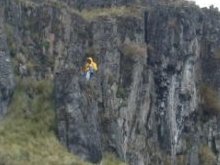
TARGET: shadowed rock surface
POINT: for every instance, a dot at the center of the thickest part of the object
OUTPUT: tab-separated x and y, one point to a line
155	97
6	73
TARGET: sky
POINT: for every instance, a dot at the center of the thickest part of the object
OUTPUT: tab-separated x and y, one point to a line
207	3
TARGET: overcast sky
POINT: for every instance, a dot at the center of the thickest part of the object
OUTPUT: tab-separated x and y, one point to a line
207	3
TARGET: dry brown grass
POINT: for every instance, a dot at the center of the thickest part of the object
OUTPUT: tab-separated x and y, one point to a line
110	12
110	159
180	160
217	53
206	156
210	100
27	134
172	23
89	15
133	49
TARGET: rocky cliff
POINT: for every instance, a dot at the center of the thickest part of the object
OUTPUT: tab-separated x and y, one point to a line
6	76
155	97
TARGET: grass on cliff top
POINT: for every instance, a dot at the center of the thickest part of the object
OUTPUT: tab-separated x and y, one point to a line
27	133
27	2
206	156
134	10
120	11
111	12
210	99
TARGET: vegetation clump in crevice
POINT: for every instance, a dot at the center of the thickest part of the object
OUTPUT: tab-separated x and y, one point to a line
210	100
206	156
122	11
133	50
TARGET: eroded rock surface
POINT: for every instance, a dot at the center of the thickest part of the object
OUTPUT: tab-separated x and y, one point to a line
6	73
147	102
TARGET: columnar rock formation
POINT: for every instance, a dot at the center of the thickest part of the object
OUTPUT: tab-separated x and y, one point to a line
6	73
154	99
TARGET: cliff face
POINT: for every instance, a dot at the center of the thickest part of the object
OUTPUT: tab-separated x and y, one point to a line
155	97
6	76
145	103
100	107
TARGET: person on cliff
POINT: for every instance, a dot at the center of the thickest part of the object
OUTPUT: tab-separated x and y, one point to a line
89	68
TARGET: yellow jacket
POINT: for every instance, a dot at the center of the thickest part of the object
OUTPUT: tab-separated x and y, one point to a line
92	65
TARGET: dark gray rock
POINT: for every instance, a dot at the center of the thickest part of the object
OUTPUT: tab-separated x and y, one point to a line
6	73
95	106
144	104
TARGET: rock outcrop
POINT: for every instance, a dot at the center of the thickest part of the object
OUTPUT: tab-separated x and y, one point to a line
6	72
145	102
109	96
155	97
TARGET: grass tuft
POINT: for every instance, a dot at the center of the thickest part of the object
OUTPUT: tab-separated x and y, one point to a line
110	12
110	159
210	100
206	156
133	49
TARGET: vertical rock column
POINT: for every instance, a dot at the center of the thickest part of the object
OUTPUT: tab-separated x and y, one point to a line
123	108
173	35
76	102
6	74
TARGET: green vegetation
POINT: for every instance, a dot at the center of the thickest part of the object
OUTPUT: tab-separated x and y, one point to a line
27	134
27	2
134	11
110	159
122	92
133	49
46	44
113	11
10	39
217	53
206	156
210	99
180	160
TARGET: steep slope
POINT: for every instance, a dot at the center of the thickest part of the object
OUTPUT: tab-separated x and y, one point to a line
100	131
185	43
37	45
154	99
6	76
146	111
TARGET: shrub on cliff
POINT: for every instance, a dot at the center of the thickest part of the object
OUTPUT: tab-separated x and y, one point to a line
111	12
133	50
206	156
210	100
